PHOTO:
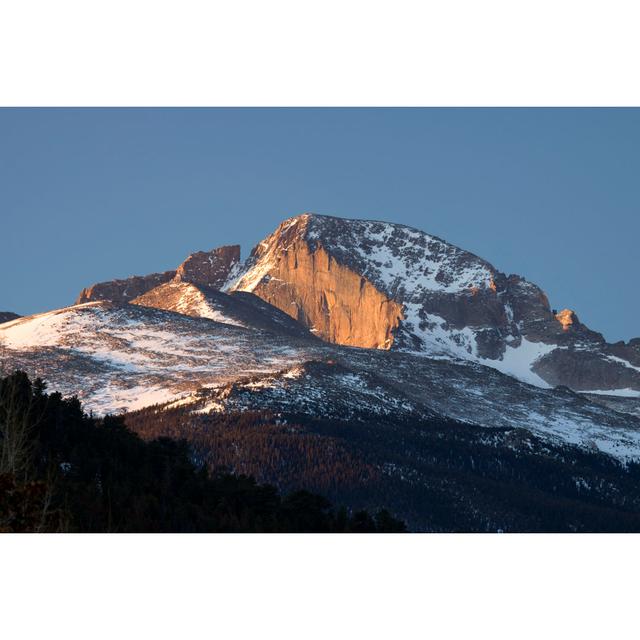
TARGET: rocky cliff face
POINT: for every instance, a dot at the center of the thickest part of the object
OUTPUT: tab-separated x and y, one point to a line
333	300
207	268
387	286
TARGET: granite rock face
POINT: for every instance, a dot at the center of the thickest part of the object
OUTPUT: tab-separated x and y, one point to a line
333	300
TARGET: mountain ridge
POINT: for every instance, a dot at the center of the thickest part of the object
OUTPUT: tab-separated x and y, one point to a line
207	268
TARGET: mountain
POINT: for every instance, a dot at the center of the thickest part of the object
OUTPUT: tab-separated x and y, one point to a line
343	317
387	286
207	268
6	316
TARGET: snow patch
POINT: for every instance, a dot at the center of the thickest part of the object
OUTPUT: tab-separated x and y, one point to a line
622	393
441	341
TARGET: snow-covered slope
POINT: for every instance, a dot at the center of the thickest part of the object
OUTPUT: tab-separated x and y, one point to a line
188	299
321	388
367	382
126	357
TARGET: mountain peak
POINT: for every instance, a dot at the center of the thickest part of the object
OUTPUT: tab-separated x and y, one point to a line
123	290
384	285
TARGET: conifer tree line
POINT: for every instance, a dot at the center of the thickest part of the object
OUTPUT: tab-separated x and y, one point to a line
62	470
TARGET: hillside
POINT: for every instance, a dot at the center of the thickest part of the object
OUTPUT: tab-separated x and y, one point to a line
125	357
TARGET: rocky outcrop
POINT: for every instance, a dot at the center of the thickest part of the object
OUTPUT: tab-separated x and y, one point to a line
7	316
380	285
125	290
566	318
372	284
209	268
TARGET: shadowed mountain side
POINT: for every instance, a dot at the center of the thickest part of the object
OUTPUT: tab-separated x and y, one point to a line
7	316
436	474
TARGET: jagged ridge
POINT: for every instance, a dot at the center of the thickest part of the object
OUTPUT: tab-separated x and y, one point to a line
207	268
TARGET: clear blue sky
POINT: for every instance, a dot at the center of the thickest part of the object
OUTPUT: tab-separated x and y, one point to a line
93	194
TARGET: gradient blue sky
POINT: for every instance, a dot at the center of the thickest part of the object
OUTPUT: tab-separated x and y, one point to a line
93	194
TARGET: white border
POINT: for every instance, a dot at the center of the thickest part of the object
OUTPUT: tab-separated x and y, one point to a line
334	52
324	587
